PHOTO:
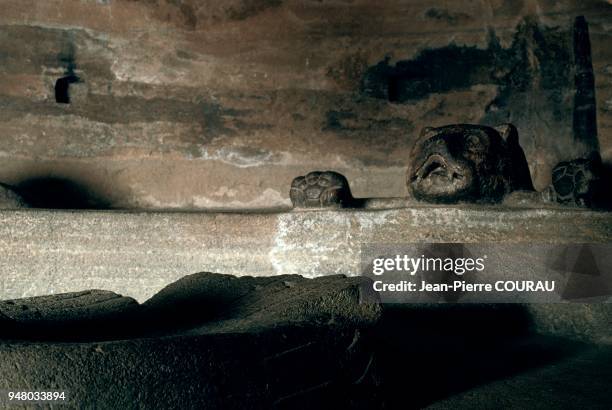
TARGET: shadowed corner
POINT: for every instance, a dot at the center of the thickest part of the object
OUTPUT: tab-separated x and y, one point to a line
452	348
603	199
59	193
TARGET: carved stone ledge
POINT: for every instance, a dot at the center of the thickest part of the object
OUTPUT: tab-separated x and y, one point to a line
138	253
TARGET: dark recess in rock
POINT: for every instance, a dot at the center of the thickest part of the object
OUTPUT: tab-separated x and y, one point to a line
62	88
585	109
459	67
62	85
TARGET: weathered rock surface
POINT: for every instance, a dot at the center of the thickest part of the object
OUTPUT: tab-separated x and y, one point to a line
248	303
207	105
78	306
590	322
91	314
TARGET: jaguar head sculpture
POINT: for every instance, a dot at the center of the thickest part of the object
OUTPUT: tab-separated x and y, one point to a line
467	163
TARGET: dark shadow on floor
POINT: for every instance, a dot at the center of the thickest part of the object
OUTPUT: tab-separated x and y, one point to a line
59	193
423	354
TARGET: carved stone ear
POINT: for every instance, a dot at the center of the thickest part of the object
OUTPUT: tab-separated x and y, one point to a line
521	177
508	132
426	130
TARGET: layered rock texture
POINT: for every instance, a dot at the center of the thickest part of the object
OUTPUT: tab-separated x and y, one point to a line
204	104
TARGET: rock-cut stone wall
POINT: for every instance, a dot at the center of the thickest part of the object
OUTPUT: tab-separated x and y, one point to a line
206	104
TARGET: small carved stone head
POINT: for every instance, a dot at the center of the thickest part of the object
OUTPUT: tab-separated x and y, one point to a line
320	190
577	182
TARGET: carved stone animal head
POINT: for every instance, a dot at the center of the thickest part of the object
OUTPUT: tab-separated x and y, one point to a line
467	163
320	189
577	182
